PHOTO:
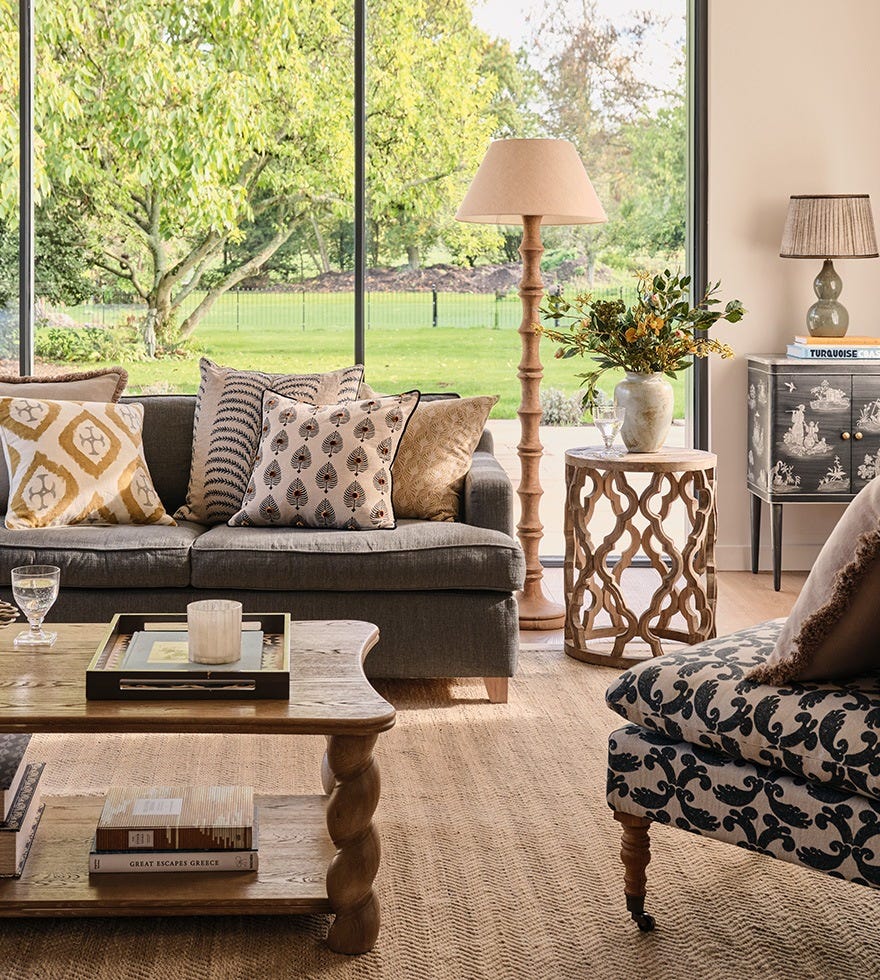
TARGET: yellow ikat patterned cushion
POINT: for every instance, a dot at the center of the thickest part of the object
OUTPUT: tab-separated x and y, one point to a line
76	463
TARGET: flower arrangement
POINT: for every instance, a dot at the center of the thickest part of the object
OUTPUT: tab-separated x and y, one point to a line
659	333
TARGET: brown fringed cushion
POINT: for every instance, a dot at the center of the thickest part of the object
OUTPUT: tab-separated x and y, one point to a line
832	630
104	385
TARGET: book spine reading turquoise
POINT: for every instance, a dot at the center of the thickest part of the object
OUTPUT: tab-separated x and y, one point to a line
828	353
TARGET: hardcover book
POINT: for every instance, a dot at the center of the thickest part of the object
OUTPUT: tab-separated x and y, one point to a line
152	862
846	341
12	767
837	352
176	818
18	830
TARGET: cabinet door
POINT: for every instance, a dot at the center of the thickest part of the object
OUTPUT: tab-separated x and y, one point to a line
809	453
866	429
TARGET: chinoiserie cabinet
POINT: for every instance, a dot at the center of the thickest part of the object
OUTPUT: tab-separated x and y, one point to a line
813	437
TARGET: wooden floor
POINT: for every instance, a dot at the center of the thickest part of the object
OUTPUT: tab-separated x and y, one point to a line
743	600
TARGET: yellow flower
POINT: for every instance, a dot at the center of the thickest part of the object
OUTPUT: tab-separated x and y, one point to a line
631	335
656	323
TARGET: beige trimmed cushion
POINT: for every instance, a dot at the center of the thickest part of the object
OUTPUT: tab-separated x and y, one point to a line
435	456
832	630
76	463
105	385
326	466
226	430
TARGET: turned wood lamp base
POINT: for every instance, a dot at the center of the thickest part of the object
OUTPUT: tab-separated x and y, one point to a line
539	612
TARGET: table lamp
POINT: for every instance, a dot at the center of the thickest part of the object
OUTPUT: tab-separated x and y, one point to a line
829	226
527	182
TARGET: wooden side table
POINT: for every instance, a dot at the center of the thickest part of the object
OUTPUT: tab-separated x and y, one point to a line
687	576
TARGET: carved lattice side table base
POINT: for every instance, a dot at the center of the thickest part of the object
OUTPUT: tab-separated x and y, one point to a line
687	576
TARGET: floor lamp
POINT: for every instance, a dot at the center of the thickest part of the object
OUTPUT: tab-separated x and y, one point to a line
527	182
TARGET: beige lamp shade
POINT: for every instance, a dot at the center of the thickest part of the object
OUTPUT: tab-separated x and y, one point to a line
832	226
540	177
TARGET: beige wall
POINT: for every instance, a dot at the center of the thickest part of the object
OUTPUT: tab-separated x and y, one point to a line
793	109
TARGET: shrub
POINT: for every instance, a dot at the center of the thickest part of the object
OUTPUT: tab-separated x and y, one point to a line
557	408
82	344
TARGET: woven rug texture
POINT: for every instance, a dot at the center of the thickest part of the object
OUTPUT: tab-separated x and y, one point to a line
500	860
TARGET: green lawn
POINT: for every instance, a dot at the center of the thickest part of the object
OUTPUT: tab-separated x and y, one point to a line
265	331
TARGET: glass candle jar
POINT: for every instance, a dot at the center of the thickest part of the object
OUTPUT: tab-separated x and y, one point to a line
214	628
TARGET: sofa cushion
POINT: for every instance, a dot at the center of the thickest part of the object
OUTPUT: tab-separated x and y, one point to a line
828	732
76	463
126	556
226	429
326	466
416	556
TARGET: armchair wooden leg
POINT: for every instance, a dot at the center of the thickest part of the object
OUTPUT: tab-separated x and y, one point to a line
635	852
496	688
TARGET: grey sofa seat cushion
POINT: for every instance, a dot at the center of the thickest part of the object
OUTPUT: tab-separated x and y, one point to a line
115	557
416	556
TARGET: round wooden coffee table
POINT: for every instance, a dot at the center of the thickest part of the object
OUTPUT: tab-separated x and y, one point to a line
683	606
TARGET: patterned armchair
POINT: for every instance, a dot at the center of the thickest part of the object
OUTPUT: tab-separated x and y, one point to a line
792	772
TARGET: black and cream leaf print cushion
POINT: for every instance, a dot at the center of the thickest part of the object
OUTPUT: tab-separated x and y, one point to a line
325	466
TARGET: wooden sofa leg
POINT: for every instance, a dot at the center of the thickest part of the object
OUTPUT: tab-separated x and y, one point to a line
496	688
635	852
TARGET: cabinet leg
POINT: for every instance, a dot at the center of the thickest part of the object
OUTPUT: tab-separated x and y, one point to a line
776	534
756	532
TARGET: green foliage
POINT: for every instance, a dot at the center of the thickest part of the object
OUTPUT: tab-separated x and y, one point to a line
660	332
557	408
83	344
654	193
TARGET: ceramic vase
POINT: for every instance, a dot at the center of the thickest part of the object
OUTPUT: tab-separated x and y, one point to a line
648	400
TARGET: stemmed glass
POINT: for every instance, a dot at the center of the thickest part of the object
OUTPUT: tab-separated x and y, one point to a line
608	419
35	589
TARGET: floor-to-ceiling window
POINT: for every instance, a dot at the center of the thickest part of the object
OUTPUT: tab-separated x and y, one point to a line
195	169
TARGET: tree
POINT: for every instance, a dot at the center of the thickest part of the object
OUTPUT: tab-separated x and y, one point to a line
654	204
177	124
430	118
593	91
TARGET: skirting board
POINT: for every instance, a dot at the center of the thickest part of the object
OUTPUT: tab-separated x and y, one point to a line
738	558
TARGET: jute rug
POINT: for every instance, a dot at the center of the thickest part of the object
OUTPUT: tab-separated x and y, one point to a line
500	860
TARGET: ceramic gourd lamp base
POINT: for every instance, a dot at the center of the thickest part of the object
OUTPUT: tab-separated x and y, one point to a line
648	400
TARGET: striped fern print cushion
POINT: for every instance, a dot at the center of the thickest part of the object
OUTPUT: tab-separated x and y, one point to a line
226	430
326	466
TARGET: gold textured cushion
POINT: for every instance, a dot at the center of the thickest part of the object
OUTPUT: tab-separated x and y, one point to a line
76	463
435	456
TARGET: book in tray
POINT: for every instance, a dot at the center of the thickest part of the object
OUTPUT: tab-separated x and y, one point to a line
176	818
146	656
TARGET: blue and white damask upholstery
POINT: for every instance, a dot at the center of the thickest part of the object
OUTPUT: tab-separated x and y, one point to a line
755	807
826	732
793	772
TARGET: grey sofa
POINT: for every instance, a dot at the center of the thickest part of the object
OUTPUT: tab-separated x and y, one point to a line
441	593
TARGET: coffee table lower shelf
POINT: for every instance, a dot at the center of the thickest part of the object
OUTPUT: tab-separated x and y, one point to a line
295	850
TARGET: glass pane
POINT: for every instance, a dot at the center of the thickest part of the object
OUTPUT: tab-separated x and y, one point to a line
198	171
443	310
9	171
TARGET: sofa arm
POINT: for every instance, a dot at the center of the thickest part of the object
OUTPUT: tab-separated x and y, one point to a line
487	495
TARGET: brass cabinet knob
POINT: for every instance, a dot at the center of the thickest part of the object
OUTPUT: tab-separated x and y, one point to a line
858	435
844	436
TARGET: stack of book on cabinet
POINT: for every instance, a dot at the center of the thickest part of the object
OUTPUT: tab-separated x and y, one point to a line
835	348
176	828
20	803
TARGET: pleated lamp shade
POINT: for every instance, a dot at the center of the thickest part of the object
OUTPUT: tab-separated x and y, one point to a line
833	226
531	177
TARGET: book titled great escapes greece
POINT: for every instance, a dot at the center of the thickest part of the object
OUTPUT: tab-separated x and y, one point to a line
176	818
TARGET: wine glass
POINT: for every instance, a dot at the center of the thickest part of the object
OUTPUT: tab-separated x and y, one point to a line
35	589
608	419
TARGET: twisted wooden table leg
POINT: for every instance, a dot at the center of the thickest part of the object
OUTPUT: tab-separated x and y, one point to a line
353	776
